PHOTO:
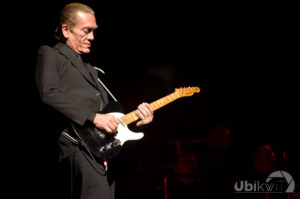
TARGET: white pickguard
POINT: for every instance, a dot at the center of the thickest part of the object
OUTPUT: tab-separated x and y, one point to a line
124	134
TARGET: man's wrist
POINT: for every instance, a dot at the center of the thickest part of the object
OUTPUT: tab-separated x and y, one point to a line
92	117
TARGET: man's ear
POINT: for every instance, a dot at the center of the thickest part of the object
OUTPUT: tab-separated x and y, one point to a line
65	31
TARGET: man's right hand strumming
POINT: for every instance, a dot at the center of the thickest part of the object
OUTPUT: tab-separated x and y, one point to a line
107	122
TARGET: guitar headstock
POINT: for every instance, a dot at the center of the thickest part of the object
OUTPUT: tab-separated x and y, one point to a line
189	91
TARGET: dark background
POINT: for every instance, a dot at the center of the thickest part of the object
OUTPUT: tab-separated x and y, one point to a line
243	57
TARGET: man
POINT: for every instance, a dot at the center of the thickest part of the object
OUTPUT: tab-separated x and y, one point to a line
70	86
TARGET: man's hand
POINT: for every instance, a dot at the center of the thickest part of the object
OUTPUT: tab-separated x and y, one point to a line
145	113
106	122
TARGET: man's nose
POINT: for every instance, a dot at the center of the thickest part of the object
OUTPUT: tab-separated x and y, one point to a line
91	36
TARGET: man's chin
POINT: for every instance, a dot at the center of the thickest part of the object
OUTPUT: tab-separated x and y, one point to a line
85	51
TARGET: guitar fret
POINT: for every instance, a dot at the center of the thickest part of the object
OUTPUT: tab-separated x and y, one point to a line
159	102
129	118
163	101
154	106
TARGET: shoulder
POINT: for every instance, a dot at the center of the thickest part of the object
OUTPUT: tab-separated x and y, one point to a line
55	48
48	54
45	49
55	51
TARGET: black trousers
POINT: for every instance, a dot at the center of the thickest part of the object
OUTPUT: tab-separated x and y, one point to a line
80	177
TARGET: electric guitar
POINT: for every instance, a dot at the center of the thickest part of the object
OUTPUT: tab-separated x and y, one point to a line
107	145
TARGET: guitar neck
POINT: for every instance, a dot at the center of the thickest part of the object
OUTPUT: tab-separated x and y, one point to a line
132	116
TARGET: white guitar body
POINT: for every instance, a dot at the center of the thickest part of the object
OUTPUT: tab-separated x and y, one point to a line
124	134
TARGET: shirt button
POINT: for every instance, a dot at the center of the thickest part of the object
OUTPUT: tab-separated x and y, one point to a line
97	94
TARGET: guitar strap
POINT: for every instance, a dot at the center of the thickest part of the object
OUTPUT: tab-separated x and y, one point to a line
104	85
70	138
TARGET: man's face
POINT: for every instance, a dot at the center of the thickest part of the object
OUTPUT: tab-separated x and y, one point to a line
81	36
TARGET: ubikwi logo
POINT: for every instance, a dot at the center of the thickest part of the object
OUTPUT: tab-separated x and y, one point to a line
276	182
